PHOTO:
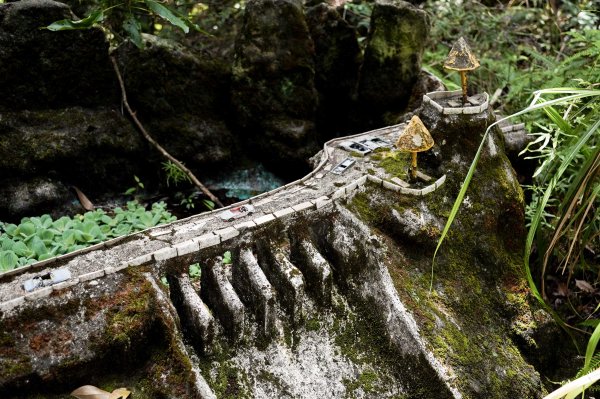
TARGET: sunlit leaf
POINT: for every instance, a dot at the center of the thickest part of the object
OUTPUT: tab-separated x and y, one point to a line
86	23
8	260
167	14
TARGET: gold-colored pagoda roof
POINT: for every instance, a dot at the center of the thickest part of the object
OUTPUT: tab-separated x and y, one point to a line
415	137
461	58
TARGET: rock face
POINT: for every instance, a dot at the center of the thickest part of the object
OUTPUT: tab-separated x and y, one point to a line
337	64
43	69
273	80
71	146
186	105
392	61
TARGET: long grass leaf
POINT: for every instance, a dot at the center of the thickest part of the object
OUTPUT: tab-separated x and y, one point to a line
578	385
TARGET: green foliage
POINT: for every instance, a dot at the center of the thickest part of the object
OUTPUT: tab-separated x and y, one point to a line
189	201
136	188
86	23
538	48
195	271
127	20
174	173
227	258
39	238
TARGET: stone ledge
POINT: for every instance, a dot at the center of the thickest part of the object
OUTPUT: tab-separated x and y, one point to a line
65	284
264	219
140	260
165	253
283	212
187	247
244	225
303	206
11	304
40	293
207	240
227	233
430	99
91	275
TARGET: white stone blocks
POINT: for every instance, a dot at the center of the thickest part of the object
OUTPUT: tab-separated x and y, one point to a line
140	260
400	182
341	193
91	275
452	111
374	179
440	181
303	206
65	284
244	225
264	219
351	187
13	303
322	201
283	212
391	186
429	189
165	253
362	181
186	247
40	293
207	240
227	233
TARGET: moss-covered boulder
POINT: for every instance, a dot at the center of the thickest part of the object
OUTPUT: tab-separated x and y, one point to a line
392	61
273	90
44	69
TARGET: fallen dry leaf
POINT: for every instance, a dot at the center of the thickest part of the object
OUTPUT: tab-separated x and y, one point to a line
120	393
585	286
90	392
83	200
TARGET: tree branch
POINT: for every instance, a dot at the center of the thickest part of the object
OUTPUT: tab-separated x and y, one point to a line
160	149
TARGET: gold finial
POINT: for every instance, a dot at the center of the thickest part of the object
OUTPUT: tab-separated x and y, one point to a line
461	59
415	138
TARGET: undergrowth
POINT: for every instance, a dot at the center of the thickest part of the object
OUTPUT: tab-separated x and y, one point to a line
40	238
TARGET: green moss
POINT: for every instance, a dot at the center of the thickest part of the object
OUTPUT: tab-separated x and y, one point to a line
362	205
367	381
313	325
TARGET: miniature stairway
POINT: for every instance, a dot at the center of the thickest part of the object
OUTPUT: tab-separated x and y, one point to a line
287	318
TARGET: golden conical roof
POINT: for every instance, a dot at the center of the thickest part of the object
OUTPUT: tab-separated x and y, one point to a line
415	137
461	58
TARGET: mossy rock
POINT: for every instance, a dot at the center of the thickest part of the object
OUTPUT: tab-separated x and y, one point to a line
44	69
392	61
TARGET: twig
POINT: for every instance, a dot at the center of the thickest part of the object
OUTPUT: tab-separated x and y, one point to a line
160	149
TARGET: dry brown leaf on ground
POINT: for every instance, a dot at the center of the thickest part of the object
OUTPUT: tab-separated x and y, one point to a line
90	392
84	201
585	286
